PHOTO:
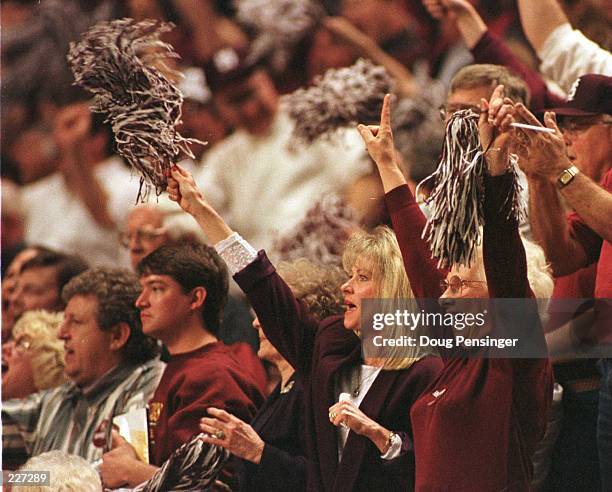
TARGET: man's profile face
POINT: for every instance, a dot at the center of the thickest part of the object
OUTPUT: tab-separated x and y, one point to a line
87	349
36	288
589	143
163	305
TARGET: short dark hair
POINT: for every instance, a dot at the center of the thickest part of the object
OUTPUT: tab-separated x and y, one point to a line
67	266
116	291
191	266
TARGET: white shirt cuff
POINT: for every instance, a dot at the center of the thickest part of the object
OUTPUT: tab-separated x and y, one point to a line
395	448
236	252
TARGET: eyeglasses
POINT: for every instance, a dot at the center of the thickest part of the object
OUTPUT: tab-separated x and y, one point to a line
145	234
22	345
448	111
456	284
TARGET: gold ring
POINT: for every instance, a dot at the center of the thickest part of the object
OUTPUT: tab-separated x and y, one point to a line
219	435
332	415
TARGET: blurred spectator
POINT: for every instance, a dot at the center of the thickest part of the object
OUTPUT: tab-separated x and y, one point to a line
36	355
40	282
77	208
9	282
277	182
12	223
111	364
566	54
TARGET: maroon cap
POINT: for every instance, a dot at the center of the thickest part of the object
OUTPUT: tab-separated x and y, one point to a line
590	95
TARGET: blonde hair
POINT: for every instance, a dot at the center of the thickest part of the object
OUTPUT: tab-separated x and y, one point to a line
317	285
46	349
380	249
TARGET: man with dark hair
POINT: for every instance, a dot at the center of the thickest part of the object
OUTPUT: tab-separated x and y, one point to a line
184	290
40	282
112	366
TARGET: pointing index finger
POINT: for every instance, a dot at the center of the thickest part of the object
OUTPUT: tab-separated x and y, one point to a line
385	115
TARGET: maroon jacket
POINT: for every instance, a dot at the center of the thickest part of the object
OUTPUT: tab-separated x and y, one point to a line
211	376
318	351
476	427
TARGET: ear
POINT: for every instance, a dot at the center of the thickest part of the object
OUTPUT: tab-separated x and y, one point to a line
198	296
120	333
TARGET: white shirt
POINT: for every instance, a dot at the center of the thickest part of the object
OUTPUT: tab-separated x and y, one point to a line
56	218
567	54
262	188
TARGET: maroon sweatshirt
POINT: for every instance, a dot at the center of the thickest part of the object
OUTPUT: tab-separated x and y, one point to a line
477	426
211	376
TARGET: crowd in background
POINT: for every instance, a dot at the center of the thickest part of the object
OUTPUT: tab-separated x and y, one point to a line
109	305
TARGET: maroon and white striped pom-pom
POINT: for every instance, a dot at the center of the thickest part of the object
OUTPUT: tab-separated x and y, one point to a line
114	62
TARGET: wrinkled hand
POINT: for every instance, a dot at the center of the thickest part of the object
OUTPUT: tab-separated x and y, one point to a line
238	437
118	463
541	155
447	9
346	413
183	189
379	138
71	126
496	134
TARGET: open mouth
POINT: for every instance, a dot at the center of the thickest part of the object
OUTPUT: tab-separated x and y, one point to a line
349	306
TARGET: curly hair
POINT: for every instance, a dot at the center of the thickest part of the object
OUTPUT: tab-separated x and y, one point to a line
116	291
46	349
317	285
193	265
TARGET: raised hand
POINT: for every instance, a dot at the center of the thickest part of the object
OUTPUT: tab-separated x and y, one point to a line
71	126
541	155
441	9
228	431
496	132
183	190
379	138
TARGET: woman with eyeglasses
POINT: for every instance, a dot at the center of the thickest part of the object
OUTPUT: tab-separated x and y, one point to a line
478	424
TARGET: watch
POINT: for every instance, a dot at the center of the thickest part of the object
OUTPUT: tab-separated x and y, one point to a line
567	176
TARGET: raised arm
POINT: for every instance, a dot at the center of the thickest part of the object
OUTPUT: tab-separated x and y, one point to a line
285	320
539	19
406	216
544	158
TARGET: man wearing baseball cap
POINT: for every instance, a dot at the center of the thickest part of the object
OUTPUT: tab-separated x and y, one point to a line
570	165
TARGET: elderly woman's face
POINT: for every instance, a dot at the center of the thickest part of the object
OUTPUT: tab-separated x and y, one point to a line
18	378
266	349
465	283
359	286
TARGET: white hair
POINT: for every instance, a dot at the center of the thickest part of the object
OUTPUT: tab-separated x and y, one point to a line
68	473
